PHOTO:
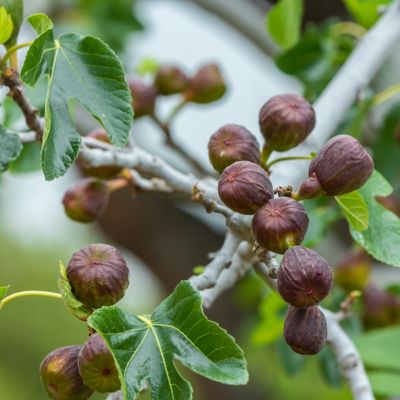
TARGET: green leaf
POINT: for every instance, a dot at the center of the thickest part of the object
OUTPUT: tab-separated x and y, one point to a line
3	292
41	23
382	238
75	306
10	147
354	209
83	69
146	346
329	367
365	12
15	8
385	383
6	25
284	22
28	160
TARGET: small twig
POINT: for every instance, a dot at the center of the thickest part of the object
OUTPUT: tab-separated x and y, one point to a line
36	293
281	159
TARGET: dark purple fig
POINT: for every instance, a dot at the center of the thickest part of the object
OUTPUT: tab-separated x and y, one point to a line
232	143
341	166
170	80
144	98
304	277
305	330
97	367
98	275
244	187
285	121
206	86
60	375
352	272
280	224
103	172
310	188
380	308
86	201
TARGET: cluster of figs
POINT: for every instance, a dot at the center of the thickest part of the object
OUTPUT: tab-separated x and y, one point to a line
280	224
98	276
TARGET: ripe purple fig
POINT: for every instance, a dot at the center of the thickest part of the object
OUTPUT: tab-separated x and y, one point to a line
170	80
86	201
98	275
60	375
206	86
232	143
305	330
304	277
341	166
352	272
97	367
280	224
144	98
244	187
285	121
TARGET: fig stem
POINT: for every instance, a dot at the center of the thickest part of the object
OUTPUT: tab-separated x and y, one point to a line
175	111
265	153
277	160
386	94
11	54
26	293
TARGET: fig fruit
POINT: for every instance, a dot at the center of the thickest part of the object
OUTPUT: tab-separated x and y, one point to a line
170	80
280	224
97	367
206	86
143	98
305	330
60	375
86	201
232	143
304	277
244	187
285	121
341	166
98	275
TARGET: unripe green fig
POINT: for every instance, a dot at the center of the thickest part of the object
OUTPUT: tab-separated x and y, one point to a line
280	224
305	330
15	8
304	277
97	367
86	201
285	121
170	80
206	86
98	275
143	98
60	375
232	143
245	187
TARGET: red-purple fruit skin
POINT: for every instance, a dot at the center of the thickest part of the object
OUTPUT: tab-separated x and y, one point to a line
280	224
143	98
98	275
285	121
244	187
342	165
305	330
206	86
60	375
97	367
232	143
86	201
304	277
170	80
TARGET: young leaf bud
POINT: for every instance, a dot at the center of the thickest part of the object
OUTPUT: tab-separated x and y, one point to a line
170	80
206	86
280	224
60	375
342	165
86	201
97	367
285	121
244	187
232	143
304	277
98	275
144	98
305	330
